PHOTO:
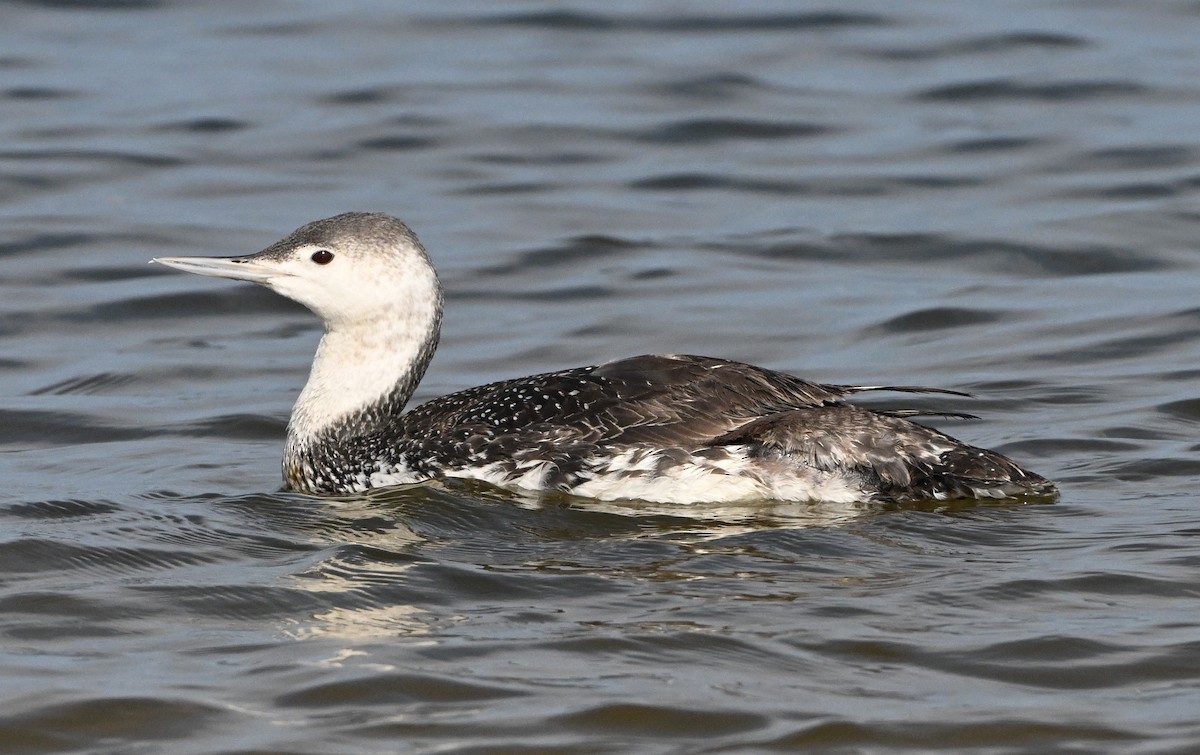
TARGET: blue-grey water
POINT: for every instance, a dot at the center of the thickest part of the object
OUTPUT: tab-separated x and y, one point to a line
1001	198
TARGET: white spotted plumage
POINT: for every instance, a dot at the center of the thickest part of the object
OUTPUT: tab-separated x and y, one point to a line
669	428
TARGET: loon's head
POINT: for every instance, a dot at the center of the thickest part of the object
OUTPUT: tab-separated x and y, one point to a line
349	269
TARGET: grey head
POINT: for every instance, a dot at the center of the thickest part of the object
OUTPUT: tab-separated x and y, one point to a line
360	233
348	269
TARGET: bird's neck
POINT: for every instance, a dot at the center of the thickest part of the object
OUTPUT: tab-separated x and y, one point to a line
365	372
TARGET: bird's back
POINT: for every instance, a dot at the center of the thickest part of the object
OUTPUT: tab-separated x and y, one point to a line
647	424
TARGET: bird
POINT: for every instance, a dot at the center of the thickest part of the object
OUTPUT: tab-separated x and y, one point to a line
665	428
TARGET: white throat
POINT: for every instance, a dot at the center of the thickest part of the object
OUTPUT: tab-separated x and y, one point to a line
361	363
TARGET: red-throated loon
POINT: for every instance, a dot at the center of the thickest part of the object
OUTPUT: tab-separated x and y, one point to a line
667	428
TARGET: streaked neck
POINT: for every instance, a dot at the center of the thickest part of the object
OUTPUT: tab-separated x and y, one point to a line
360	365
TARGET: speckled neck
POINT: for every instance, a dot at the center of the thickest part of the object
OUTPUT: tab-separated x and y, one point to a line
363	374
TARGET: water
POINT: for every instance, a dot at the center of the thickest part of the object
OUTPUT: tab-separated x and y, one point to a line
999	198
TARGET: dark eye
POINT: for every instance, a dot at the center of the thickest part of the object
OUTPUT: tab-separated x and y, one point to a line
322	256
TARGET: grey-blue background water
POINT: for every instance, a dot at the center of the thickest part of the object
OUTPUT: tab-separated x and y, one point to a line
1002	198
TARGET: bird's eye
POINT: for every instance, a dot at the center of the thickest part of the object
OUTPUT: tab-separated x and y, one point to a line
322	256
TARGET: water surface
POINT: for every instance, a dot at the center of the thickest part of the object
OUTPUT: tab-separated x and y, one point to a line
996	199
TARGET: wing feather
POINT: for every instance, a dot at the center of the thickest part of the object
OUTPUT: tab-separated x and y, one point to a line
664	402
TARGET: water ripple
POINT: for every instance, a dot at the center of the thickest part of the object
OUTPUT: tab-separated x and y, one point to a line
687	24
81	724
1011	90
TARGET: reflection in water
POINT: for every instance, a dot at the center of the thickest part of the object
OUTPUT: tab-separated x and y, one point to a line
379	546
378	535
391	542
358	623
